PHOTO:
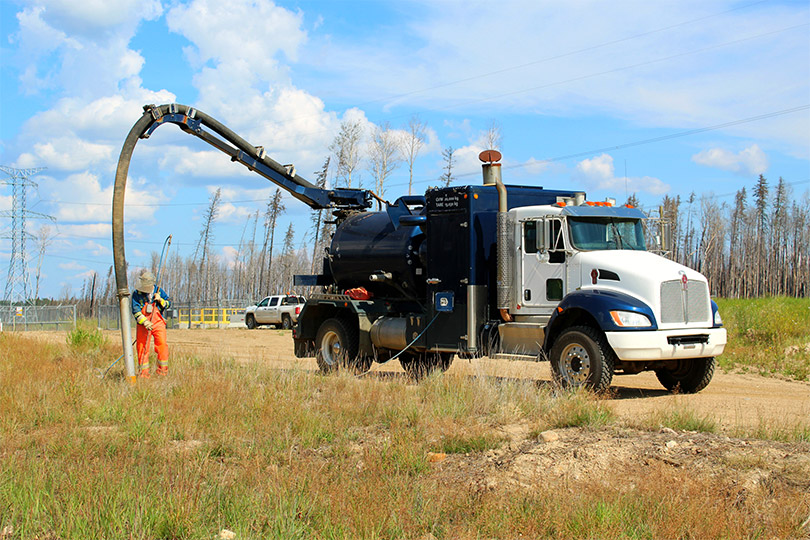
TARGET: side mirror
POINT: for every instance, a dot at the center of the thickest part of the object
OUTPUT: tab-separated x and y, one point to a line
542	236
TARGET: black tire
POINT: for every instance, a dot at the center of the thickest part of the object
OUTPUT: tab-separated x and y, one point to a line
689	377
419	366
582	357
336	348
250	322
286	322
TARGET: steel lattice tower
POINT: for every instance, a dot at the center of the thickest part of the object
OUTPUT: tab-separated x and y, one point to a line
17	286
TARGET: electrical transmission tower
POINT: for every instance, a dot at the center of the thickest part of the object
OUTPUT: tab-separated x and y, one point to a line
17	287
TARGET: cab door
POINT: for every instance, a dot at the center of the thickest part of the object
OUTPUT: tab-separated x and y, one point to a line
543	259
271	311
260	313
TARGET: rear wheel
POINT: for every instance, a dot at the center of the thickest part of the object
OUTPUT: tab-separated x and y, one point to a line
286	322
582	357
418	366
690	376
337	345
250	322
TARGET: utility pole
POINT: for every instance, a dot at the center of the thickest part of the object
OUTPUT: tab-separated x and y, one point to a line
17	285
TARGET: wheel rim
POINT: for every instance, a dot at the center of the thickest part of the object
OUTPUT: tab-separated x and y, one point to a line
331	348
575	364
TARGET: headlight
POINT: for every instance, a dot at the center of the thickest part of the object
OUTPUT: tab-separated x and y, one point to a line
630	318
718	321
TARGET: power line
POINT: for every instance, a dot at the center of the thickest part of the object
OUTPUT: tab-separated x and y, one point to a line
622	68
544	60
519	165
652	140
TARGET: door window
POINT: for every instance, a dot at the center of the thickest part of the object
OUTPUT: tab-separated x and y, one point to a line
273	301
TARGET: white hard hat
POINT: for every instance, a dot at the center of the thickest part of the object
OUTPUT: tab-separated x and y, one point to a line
146	282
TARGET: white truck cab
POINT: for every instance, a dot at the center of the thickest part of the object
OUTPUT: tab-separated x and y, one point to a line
583	274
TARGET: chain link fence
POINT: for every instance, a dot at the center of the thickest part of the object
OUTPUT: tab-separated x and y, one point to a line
27	317
64	317
220	315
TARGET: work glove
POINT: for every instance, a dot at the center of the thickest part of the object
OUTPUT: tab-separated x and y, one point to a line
144	321
161	301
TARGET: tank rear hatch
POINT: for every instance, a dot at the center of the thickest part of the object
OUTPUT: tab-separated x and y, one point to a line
367	251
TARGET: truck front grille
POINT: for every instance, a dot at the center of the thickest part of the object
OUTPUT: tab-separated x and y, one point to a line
674	299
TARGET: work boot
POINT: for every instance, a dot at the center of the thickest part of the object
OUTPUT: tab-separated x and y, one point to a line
144	374
162	371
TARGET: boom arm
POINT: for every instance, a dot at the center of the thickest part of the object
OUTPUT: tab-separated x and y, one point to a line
192	121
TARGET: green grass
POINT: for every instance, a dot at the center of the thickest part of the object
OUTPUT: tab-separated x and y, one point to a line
769	336
83	338
680	418
292	454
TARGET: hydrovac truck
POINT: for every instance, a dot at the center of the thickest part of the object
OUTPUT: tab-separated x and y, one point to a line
502	271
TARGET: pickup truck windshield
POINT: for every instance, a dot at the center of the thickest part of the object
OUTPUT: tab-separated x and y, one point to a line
594	233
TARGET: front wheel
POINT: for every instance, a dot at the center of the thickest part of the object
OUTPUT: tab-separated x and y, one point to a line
582	357
337	345
250	322
689	376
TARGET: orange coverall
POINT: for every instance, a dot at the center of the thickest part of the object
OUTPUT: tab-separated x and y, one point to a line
158	332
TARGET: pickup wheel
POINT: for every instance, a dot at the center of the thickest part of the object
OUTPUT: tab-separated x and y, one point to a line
689	377
286	322
250	322
582	357
337	345
419	366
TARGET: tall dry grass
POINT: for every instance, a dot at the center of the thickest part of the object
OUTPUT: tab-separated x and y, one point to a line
292	454
767	335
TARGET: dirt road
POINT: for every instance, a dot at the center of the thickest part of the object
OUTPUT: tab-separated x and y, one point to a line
743	401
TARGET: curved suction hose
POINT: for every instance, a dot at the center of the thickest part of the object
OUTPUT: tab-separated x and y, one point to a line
254	158
189	120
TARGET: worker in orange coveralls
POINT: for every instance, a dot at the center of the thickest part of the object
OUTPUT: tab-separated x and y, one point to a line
148	304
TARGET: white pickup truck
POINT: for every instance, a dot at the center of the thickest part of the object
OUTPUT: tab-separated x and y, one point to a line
280	311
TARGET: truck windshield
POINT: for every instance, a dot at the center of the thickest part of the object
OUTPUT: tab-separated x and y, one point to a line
594	233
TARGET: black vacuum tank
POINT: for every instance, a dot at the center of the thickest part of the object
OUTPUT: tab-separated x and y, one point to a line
367	251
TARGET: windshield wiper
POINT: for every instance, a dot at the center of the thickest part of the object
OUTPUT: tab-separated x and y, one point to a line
617	235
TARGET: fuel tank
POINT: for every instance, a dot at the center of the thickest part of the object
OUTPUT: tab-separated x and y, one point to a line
367	251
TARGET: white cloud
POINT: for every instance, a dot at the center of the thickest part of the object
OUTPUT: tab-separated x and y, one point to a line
67	154
89	17
87	230
230	213
96	249
88	41
578	59
81	198
245	34
71	266
750	161
599	173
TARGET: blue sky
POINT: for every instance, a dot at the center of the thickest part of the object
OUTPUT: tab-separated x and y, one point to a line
598	82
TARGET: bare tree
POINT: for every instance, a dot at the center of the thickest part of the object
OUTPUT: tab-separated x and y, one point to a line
317	215
274	209
383	158
206	238
346	148
288	260
448	155
44	239
492	136
411	144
